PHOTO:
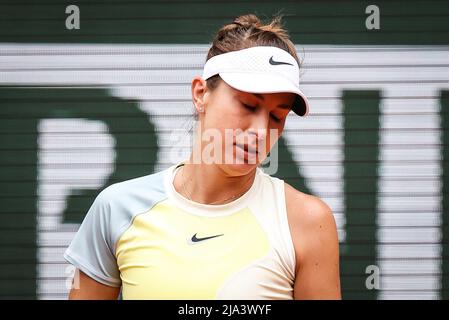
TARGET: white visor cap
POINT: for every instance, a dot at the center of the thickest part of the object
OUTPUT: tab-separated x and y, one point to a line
262	69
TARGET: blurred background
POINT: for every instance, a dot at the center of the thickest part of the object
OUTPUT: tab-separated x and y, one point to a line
93	98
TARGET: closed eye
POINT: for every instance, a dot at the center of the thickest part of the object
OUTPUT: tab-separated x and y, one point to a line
253	108
275	118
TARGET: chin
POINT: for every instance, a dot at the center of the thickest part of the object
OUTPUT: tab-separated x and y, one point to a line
239	169
240	166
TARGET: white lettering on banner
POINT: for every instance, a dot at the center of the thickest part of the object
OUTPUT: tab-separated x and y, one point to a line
68	142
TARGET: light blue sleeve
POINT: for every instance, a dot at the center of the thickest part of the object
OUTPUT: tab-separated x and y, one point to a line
92	248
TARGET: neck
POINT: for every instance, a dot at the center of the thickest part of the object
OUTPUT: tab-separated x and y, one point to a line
209	184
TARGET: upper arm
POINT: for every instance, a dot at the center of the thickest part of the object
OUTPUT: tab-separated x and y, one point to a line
84	288
315	238
92	248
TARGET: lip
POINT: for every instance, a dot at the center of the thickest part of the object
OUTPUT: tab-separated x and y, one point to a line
247	149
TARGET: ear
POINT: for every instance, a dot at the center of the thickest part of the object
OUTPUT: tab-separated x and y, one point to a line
199	93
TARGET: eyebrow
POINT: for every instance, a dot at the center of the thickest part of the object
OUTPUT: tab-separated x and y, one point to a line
282	106
258	96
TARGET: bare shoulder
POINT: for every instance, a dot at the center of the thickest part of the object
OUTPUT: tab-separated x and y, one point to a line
307	208
311	222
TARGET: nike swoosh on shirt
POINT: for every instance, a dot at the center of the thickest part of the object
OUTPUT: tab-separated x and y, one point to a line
194	239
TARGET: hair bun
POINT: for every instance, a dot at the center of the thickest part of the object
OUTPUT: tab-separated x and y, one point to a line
247	20
248	31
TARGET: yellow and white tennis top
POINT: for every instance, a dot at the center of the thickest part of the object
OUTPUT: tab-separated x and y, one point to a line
144	236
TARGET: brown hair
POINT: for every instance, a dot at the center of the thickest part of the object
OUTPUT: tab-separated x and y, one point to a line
248	31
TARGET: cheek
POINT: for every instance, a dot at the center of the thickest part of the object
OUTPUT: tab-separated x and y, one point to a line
273	135
225	116
222	124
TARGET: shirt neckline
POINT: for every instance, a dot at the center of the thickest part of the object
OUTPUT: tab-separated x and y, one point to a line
208	210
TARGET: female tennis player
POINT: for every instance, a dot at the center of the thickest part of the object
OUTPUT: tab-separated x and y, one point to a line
216	226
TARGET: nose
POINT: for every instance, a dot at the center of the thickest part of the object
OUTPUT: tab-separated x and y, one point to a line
259	125
260	121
